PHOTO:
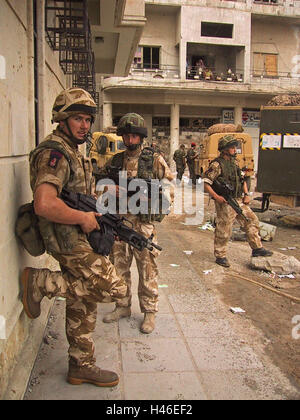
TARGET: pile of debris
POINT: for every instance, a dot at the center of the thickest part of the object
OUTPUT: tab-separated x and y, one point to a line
285	100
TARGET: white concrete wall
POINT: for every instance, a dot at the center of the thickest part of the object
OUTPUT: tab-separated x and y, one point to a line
17	140
282	39
160	31
191	18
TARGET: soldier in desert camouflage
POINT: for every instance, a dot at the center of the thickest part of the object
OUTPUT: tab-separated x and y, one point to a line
86	278
226	169
142	164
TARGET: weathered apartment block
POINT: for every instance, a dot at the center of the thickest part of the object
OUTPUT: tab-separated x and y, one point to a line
200	62
45	46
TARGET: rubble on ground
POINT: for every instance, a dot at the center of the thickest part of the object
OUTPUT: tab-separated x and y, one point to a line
278	263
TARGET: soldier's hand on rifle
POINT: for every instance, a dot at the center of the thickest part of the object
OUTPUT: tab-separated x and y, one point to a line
220	199
246	199
89	221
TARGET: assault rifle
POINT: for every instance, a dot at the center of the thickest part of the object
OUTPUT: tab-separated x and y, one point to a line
111	225
226	191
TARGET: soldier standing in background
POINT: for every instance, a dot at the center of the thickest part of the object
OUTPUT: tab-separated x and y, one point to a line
190	158
225	169
86	278
179	158
139	163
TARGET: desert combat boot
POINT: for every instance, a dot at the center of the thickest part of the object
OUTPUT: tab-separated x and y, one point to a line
117	313
78	375
148	324
31	295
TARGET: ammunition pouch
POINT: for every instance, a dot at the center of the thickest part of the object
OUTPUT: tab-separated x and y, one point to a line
59	238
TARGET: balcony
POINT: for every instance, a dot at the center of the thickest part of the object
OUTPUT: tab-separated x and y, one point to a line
168	78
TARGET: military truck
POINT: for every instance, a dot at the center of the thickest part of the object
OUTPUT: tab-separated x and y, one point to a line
208	151
278	170
104	146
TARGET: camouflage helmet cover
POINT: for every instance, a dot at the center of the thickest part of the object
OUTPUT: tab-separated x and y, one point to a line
73	101
132	123
227	141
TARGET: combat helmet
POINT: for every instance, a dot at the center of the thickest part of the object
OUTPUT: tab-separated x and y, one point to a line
73	101
132	123
227	141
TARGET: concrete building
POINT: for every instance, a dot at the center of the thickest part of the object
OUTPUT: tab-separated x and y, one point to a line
201	62
40	55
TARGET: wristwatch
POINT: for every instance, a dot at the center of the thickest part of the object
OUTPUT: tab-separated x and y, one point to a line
246	195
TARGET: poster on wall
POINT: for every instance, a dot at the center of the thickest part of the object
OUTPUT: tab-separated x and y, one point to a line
249	118
271	141
228	116
292	141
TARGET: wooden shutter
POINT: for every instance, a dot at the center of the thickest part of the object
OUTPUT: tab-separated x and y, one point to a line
271	65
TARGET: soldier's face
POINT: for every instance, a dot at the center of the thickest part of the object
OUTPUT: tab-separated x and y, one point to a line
79	125
232	150
132	141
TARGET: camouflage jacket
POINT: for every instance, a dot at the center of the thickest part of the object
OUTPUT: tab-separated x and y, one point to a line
179	158
57	161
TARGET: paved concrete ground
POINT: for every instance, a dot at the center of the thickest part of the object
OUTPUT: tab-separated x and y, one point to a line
195	352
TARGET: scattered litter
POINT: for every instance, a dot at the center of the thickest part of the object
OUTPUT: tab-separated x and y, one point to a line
283	249
237	310
267	231
292	247
60	298
163	285
188	252
207	226
207	271
290	276
174	265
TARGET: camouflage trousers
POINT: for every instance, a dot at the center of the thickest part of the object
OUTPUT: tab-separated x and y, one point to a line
122	257
192	172
85	279
224	221
180	172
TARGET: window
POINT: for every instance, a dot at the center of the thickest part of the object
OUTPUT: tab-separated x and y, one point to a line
217	30
265	65
147	58
266	1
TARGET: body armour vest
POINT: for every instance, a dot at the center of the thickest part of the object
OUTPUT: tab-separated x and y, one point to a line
60	238
231	174
144	171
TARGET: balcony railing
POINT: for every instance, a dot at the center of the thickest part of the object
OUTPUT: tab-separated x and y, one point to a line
210	74
257	79
164	72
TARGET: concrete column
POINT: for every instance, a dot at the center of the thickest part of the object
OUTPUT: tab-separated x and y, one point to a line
238	114
174	131
182	56
107	115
